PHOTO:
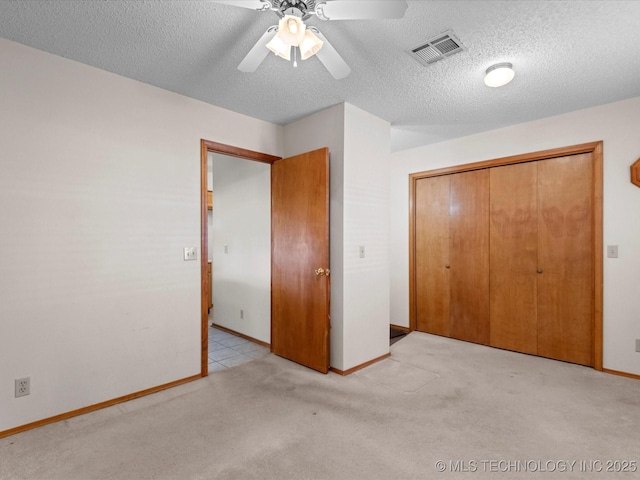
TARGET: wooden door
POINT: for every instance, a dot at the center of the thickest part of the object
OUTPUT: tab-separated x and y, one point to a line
469	256
300	246
432	254
514	257
565	259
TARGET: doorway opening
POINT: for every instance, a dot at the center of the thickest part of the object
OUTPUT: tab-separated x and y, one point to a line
225	153
299	285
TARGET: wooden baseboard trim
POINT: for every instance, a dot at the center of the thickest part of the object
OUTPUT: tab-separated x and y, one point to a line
97	406
621	374
344	373
398	327
241	335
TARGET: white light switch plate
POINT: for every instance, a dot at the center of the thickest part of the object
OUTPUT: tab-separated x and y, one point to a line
190	253
612	251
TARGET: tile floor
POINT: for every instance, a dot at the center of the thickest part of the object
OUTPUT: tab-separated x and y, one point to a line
227	350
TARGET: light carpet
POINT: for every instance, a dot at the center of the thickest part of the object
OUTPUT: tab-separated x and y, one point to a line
483	413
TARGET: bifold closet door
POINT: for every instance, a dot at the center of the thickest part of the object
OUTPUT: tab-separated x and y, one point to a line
565	259
505	256
469	256
514	257
432	254
452	255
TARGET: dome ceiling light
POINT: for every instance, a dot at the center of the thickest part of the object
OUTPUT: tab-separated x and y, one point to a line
499	75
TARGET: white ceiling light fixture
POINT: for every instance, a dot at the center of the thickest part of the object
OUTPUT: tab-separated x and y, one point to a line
310	45
280	47
292	34
499	75
291	30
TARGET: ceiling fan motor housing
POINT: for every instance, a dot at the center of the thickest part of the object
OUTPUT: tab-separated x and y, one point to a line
299	8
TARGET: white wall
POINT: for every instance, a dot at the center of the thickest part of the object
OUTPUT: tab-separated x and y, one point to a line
617	125
241	221
359	146
367	141
99	193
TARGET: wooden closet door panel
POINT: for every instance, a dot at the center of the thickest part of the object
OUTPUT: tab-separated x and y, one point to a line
513	257
469	254
432	255
565	259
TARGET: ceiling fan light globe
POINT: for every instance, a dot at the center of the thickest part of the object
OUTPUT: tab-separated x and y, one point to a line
291	30
280	48
310	45
292	26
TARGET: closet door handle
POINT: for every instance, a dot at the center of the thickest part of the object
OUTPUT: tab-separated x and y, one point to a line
447	266
540	270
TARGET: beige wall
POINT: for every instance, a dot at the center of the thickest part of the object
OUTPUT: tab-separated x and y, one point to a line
367	141
99	193
617	125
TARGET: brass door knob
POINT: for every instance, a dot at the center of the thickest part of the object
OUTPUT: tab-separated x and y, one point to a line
539	270
321	271
447	266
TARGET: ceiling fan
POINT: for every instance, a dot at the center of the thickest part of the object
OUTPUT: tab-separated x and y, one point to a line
292	34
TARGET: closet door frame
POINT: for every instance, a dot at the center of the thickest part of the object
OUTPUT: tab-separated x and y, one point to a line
595	149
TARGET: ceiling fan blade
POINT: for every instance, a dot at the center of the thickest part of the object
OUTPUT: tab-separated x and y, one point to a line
330	58
258	53
361	10
260	5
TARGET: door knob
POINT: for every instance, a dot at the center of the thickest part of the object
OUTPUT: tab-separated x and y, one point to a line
322	271
447	266
539	270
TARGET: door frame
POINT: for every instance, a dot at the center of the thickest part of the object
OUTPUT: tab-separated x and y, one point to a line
207	146
595	148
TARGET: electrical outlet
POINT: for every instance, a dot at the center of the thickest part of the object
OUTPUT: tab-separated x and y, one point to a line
23	386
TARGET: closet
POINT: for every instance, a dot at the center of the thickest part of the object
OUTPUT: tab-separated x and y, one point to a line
507	253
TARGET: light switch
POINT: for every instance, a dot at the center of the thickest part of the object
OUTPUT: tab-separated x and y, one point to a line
361	250
612	251
190	253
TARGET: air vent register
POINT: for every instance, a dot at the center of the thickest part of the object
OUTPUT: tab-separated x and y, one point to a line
437	48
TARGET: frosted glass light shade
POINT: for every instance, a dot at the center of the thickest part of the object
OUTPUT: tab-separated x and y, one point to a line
310	45
291	30
499	75
280	48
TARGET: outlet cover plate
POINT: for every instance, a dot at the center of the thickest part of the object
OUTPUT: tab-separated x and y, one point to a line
23	386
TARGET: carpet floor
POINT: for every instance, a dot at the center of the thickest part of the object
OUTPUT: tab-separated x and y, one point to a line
437	408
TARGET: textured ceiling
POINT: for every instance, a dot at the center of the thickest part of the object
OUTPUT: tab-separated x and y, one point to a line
567	55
